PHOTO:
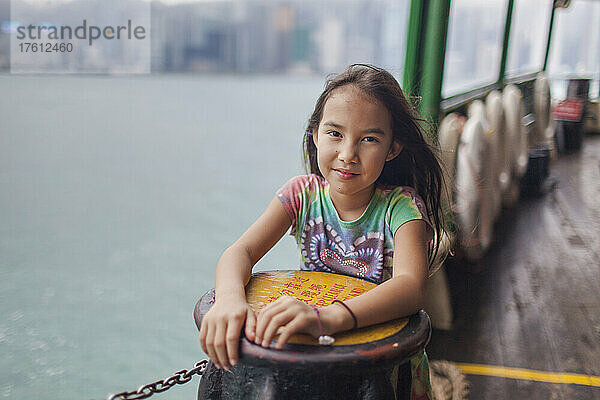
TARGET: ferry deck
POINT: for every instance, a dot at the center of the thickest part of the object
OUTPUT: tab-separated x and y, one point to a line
533	302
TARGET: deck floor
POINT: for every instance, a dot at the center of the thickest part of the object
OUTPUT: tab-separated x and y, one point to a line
534	302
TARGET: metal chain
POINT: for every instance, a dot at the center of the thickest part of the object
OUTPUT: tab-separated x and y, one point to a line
179	378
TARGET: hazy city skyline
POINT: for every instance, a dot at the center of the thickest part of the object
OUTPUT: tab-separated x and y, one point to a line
295	36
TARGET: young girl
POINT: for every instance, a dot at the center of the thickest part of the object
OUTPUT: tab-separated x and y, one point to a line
370	208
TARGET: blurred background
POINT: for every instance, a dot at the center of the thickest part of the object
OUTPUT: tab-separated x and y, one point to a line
118	192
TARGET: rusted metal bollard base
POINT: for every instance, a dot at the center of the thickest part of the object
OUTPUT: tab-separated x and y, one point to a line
251	382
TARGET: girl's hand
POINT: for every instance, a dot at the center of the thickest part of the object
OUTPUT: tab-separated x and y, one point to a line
221	328
290	314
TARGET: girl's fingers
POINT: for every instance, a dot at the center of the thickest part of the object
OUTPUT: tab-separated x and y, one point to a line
250	325
232	341
264	317
220	346
292	327
276	321
210	348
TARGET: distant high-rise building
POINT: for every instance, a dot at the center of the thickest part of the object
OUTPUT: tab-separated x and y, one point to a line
330	45
283	20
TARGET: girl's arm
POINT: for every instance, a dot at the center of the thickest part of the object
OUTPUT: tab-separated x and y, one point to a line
404	293
222	324
399	296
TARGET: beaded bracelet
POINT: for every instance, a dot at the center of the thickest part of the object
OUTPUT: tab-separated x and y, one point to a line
324	340
349	310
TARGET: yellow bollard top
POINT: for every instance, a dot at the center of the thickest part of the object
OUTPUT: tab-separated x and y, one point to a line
319	289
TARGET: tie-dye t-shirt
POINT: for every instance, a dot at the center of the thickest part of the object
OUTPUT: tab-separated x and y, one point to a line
362	248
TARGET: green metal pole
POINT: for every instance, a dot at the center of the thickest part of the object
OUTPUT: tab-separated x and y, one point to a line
549	37
434	55
509	11
414	41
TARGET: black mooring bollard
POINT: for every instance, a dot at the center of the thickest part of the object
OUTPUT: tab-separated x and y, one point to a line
370	369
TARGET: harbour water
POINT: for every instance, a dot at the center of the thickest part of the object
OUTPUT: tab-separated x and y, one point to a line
117	196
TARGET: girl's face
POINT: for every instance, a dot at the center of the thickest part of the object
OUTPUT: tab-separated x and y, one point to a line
354	140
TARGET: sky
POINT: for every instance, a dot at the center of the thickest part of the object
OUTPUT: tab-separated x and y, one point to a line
49	2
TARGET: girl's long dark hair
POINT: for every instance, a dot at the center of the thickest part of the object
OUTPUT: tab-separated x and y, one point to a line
417	164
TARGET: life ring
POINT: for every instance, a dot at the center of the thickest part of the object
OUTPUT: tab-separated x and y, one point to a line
506	174
497	139
542	109
477	110
518	142
473	231
513	111
449	136
490	190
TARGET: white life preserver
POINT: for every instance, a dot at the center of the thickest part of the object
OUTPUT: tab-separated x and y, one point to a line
543	113
498	138
473	231
449	135
491	200
518	142
542	109
477	109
